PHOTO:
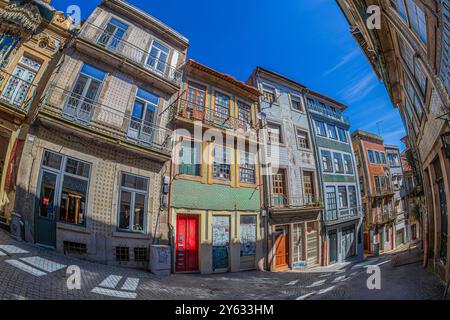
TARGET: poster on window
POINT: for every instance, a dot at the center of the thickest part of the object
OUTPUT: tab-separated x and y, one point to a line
248	236
221	239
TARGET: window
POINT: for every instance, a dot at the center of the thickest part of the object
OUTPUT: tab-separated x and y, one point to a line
371	158
158	56
342	135
348	164
308	184
20	82
190	157
113	34
7	43
327	163
196	97
81	103
383	157
399	6
140	254
332	131
352	197
414	65
377	157
244	115
338	163
64	184
342	195
221	105
142	126
331	203
122	254
413	96
221	163
132	202
296	103
320	128
302	139
269	94
417	19
247	168
279	188
274	133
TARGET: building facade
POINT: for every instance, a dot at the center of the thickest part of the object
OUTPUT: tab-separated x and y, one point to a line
94	175
31	36
377	192
291	182
401	232
409	52
215	190
342	217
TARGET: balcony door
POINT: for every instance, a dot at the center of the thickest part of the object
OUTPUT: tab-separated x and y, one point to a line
196	97
308	186
142	124
82	100
279	188
158	57
20	82
113	34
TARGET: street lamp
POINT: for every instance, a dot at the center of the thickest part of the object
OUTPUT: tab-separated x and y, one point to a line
446	143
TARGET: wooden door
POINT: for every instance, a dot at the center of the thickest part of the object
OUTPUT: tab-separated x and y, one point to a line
187	243
281	248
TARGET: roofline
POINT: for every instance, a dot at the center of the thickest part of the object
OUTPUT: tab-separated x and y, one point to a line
223	76
391	146
146	15
340	105
278	75
363	133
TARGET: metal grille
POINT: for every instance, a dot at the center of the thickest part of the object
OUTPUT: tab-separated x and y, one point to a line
140	254
122	254
74	247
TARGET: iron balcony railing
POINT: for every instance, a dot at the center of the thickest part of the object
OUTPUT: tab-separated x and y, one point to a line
295	201
16	91
106	120
216	118
317	108
129	51
332	215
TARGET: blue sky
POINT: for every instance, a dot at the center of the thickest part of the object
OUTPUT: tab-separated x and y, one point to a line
306	40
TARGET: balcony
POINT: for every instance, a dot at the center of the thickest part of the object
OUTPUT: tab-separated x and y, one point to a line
16	92
343	214
105	121
323	110
295	201
130	52
381	192
187	110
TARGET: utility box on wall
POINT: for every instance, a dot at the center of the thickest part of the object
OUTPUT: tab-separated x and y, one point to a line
160	260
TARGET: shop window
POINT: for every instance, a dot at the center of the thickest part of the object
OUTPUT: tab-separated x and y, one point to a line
248	236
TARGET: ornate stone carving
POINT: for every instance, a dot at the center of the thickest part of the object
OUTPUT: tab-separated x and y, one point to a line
25	15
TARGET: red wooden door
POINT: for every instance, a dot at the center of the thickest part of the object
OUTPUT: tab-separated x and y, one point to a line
187	243
281	249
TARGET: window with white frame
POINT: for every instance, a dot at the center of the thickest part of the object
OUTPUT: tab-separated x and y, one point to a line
320	128
296	103
332	131
327	162
190	157
64	184
352	199
133	196
158	57
221	163
414	65
342	196
413	96
348	164
222	105
302	139
338	163
342	135
247	167
274	133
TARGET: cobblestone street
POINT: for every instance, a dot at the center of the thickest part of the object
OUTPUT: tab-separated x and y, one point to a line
30	272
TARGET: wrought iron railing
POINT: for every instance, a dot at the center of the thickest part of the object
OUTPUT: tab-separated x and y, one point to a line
129	51
106	120
342	214
296	201
215	118
16	92
317	108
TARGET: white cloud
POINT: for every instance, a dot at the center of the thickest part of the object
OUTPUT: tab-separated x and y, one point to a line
360	88
344	60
